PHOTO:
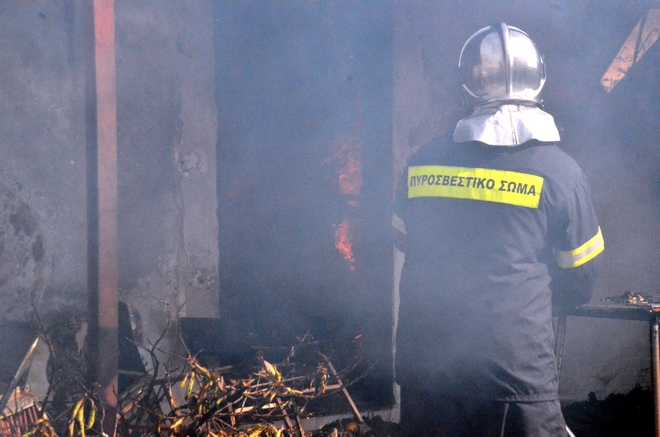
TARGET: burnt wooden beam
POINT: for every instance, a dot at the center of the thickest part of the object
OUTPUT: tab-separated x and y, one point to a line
101	139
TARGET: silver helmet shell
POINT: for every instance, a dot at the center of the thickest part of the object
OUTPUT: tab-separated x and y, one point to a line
501	63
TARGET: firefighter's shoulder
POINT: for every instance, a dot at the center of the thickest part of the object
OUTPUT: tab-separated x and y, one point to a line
432	151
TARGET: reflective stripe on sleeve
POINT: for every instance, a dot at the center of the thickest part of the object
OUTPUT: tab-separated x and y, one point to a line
398	224
575	258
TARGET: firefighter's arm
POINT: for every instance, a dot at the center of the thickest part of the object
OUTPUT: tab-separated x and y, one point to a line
577	247
574	286
574	275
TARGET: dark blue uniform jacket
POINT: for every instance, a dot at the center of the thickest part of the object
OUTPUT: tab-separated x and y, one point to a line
487	232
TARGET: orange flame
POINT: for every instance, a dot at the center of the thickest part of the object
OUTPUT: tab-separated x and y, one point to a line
346	164
343	241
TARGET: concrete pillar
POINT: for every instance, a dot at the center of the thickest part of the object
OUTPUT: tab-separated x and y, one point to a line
195	162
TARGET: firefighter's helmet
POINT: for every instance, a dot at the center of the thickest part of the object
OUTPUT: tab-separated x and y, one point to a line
501	63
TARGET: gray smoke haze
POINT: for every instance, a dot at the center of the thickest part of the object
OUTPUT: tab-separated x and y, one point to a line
300	87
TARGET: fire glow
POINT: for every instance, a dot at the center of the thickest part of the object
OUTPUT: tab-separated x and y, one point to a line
346	162
343	241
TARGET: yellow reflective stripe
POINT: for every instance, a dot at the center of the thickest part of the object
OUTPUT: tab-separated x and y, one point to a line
398	224
588	251
489	185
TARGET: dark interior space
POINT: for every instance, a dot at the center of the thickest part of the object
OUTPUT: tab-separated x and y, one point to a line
304	176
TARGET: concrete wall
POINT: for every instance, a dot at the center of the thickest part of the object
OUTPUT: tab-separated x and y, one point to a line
166	147
610	135
42	152
167	179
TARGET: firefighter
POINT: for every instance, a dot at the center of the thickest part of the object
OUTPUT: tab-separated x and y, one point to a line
497	225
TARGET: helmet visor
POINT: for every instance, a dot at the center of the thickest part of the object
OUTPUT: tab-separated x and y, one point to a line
527	70
482	67
501	63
